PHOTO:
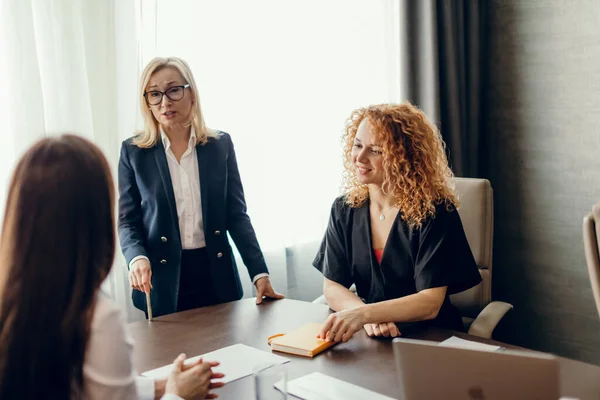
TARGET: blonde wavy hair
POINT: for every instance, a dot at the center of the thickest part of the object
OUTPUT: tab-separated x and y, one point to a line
149	136
416	171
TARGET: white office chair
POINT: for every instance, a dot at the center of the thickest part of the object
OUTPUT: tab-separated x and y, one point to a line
480	314
591	233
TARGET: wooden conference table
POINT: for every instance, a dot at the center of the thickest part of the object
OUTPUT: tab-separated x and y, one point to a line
363	361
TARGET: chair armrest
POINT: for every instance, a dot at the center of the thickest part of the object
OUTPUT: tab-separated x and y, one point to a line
488	319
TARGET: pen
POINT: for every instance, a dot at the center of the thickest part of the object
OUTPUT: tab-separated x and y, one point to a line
149	305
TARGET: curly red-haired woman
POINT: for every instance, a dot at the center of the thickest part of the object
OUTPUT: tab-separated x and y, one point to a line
396	233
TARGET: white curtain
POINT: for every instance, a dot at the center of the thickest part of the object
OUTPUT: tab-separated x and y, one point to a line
68	66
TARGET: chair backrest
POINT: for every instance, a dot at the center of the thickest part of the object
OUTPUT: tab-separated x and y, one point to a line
591	233
476	211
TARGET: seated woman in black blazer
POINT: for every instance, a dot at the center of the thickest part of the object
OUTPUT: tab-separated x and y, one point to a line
396	233
180	194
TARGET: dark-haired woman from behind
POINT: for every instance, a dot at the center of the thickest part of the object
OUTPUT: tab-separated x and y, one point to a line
60	338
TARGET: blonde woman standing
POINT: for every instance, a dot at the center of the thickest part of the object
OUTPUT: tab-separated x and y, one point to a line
180	194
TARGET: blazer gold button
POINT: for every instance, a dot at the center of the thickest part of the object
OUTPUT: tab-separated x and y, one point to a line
163	239
217	233
219	255
163	261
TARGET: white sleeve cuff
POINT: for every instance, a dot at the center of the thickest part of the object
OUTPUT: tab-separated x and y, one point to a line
134	259
258	276
145	388
171	396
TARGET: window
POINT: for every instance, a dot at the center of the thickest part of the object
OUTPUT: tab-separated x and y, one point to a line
281	77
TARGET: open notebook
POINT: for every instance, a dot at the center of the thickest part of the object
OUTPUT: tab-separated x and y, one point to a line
302	341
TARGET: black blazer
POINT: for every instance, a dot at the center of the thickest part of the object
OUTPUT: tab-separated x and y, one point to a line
148	223
414	259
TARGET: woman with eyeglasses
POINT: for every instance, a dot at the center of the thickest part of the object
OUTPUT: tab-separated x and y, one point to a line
60	337
180	195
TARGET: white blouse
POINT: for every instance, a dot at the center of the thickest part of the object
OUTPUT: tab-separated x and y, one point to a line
108	371
185	177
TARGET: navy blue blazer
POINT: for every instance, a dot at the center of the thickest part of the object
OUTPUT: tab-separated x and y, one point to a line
148	223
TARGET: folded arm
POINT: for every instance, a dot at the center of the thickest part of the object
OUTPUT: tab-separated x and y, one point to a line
352	314
420	306
339	297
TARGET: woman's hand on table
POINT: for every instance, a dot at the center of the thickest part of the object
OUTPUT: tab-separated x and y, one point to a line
194	380
264	289
342	325
386	329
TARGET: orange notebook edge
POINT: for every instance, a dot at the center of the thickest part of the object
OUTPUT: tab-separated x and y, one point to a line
324	346
274	336
303	339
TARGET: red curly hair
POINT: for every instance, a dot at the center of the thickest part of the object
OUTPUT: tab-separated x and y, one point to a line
416	171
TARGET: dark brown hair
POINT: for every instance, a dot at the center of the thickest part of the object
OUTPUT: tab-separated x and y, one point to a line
57	247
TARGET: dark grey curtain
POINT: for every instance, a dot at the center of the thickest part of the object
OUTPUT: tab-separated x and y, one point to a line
441	72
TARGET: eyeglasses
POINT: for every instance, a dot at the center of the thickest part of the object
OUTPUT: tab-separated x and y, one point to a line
174	93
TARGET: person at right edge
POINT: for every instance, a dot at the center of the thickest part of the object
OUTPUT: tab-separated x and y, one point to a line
396	232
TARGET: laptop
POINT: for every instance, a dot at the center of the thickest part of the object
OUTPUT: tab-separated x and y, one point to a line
428	371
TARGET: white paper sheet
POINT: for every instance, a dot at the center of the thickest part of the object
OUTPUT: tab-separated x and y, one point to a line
468	344
317	386
237	361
